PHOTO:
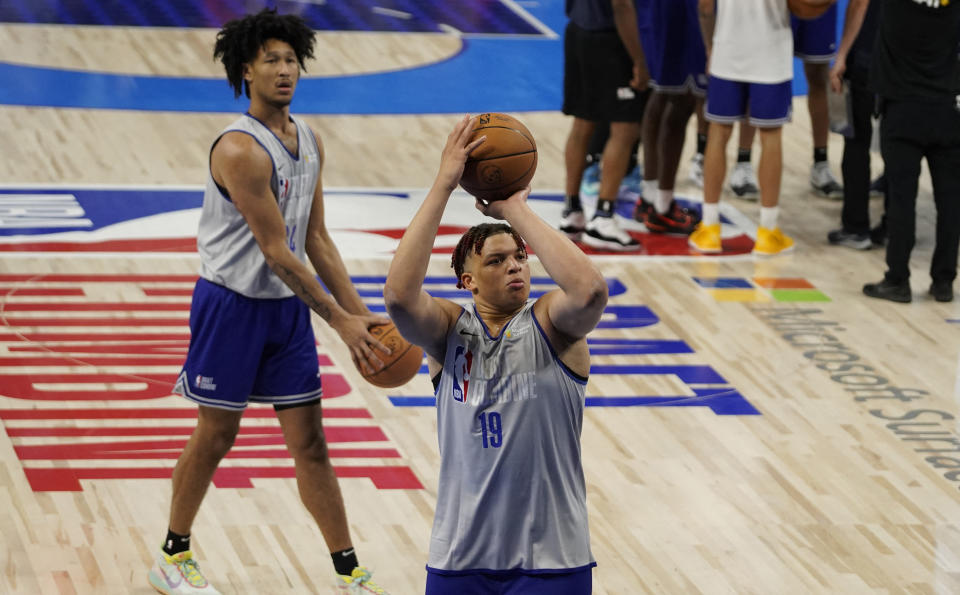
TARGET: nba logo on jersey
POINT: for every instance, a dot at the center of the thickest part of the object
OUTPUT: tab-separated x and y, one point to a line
284	185
462	362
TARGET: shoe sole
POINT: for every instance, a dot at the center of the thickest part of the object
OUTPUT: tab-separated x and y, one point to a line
784	251
898	300
705	250
860	246
607	245
831	194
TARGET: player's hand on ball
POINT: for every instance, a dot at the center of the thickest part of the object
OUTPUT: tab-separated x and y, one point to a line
498	208
455	153
354	331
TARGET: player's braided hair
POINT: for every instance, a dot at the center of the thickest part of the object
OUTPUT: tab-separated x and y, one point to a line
239	41
474	238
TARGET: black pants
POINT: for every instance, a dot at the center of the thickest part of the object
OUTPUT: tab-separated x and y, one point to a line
855	166
910	131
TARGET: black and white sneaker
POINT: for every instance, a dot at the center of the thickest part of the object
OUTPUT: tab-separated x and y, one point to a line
604	233
857	241
743	182
823	182
573	223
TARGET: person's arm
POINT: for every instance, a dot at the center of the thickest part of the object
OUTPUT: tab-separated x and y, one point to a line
575	309
421	318
244	168
852	23
625	20
708	22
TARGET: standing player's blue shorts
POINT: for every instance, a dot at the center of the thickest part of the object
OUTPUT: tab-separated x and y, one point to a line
673	46
579	582
815	40
767	105
244	349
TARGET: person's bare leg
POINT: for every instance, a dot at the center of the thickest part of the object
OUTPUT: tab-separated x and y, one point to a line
575	153
747	132
652	116
673	129
771	166
715	161
817	76
210	442
316	480
616	156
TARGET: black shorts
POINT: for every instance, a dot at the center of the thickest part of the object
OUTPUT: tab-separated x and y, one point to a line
596	77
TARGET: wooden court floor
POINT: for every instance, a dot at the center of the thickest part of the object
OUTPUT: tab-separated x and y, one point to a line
834	469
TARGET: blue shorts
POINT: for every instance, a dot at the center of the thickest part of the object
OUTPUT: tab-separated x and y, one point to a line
494	583
248	350
675	54
767	105
815	40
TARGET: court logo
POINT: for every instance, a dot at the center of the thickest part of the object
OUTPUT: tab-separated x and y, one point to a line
761	289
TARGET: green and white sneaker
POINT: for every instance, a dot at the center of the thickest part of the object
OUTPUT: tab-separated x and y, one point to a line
359	581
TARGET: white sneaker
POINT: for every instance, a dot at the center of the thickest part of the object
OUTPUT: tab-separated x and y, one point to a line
743	182
605	233
359	581
179	574
573	223
696	170
823	182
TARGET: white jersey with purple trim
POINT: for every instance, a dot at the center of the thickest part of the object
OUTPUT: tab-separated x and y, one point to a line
229	254
752	41
511	493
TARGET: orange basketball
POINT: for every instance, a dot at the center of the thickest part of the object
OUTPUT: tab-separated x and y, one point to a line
504	163
401	365
809	9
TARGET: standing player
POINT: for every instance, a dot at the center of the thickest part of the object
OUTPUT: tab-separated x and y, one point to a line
815	43
250	333
509	376
604	75
676	59
750	76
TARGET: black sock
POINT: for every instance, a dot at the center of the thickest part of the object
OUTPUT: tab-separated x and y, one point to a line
572	203
175	543
701	143
604	207
743	155
819	154
345	561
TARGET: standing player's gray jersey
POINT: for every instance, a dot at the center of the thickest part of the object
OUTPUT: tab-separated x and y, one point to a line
229	254
509	415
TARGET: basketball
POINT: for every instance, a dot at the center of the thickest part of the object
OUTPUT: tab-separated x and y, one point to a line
401	365
809	9
504	163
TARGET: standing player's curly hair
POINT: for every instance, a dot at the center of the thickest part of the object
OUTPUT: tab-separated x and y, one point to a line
239	41
474	239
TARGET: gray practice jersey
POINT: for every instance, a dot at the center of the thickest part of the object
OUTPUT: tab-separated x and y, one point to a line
509	414
229	254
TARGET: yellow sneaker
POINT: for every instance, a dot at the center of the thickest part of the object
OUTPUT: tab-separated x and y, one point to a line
359	581
706	238
771	241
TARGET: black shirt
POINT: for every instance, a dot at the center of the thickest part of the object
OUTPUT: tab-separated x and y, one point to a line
861	52
915	58
592	15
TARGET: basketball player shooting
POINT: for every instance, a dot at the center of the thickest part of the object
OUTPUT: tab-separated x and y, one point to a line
250	334
510	376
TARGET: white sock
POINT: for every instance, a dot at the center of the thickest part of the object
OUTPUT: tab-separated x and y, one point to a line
711	213
768	217
648	189
664	200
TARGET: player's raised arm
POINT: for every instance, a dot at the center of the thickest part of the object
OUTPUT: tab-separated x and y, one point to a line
576	308
422	319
